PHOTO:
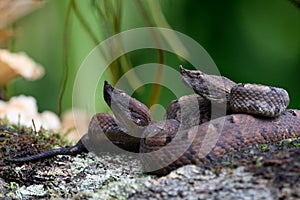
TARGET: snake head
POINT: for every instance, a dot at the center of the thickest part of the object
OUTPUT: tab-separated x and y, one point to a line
211	87
131	113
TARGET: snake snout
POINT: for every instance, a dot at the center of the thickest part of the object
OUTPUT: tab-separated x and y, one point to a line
107	92
190	77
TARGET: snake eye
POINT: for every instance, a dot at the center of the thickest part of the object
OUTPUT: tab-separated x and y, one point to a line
139	120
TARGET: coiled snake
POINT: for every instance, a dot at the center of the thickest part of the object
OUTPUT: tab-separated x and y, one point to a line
255	114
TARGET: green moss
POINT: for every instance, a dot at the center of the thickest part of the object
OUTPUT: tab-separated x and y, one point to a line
264	147
259	161
20	140
229	164
251	151
279	144
297	144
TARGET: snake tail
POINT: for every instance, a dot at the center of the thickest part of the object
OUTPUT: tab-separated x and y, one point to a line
73	150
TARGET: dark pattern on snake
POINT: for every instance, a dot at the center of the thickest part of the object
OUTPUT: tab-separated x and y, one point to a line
192	143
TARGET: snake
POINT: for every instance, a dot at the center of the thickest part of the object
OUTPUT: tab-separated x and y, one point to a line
189	133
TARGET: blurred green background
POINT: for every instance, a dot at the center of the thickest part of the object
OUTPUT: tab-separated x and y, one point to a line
254	41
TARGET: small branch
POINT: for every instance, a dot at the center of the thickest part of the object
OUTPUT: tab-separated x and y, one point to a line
66	64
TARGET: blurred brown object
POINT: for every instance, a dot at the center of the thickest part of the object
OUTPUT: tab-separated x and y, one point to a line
14	65
5	35
23	110
11	11
75	123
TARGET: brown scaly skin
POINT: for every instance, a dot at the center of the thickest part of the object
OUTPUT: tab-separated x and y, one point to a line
239	131
189	146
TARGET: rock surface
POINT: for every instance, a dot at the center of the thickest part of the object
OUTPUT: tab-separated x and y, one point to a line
262	172
192	182
111	176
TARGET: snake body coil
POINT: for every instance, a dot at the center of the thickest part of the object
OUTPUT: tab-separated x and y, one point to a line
255	99
193	135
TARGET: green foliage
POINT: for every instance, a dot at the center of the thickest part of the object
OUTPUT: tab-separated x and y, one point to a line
250	41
